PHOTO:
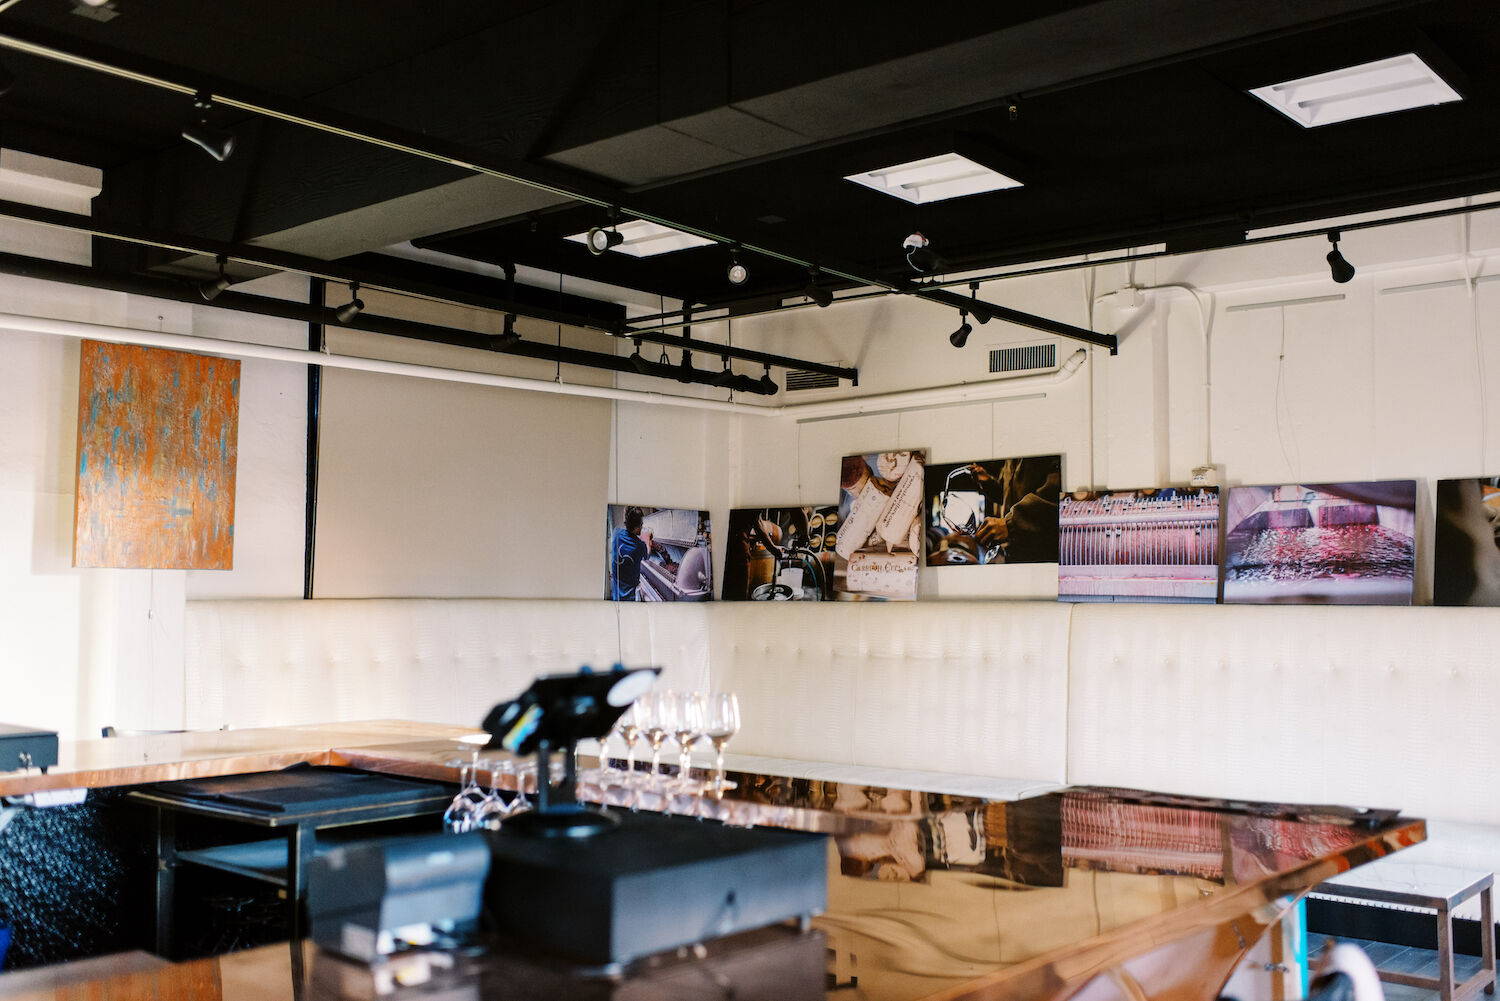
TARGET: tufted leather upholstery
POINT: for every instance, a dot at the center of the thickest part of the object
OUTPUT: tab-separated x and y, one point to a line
973	688
1376	706
260	663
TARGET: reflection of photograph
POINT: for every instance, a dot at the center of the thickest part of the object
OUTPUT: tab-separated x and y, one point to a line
780	554
1000	511
1140	545
1466	560
879	534
657	554
1336	543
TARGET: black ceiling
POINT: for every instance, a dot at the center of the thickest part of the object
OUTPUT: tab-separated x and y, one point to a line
1130	125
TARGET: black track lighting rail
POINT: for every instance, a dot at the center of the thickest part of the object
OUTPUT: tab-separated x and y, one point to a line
275	260
540	176
160	287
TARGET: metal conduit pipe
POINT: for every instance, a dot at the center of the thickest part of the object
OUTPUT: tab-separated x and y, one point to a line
962	392
173	290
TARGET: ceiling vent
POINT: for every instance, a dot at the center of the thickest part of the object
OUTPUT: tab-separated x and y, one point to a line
1024	359
800	379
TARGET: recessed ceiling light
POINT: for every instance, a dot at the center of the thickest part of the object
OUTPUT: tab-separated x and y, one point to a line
949	175
1378	88
647	239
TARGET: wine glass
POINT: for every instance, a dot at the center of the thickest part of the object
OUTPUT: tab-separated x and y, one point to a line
722	724
462	814
630	732
660	719
692	718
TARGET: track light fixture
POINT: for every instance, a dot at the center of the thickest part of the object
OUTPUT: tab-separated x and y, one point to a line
977	309
350	309
738	274
602	240
767	384
1341	269
960	337
725	377
211	288
217	143
508	337
822	297
638	363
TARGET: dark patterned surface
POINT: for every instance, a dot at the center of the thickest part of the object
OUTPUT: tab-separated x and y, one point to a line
74	881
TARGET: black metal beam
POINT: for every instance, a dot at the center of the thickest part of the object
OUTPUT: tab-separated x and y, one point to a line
171	289
390	278
963	302
316	296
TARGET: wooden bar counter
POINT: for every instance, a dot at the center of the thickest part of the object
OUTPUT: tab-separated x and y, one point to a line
1081	893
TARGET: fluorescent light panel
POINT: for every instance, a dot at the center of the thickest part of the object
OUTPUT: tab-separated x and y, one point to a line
1379	88
935	179
647	239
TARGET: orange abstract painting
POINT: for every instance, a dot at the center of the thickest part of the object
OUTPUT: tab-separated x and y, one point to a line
157	436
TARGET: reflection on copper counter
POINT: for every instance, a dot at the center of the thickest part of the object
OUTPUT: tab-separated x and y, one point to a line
1086	893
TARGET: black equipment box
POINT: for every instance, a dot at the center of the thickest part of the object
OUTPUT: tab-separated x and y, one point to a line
654	883
26	747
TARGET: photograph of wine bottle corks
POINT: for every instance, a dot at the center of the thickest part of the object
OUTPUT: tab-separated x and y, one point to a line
992	512
657	554
879	537
780	554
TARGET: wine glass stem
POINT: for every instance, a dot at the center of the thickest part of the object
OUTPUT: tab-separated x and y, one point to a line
719	763
655	759
682	762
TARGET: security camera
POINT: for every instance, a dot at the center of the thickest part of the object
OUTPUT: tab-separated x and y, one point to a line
920	255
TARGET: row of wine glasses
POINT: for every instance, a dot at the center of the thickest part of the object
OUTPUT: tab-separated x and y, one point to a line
475	807
685	717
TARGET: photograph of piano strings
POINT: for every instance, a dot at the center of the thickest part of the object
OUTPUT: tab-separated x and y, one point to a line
1466	544
657	554
1140	545
1321	543
780	554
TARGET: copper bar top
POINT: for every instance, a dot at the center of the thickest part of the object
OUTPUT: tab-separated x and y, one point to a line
1093	893
195	754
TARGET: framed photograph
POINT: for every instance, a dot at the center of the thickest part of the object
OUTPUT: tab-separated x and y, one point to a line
1321	543
1140	545
992	512
657	554
780	554
878	541
1466	544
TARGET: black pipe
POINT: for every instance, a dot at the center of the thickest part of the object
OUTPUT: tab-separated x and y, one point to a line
179	291
316	297
279	260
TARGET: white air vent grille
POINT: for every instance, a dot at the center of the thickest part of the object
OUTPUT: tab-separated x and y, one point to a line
1024	359
797	379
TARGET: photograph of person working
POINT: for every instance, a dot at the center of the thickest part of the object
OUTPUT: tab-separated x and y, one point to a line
630	544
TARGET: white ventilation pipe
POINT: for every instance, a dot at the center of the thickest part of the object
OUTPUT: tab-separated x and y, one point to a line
971	392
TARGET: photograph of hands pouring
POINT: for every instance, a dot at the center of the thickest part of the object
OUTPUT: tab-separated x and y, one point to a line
559	711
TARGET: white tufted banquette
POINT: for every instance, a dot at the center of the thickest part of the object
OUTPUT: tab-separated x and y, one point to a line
260	663
1374	706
